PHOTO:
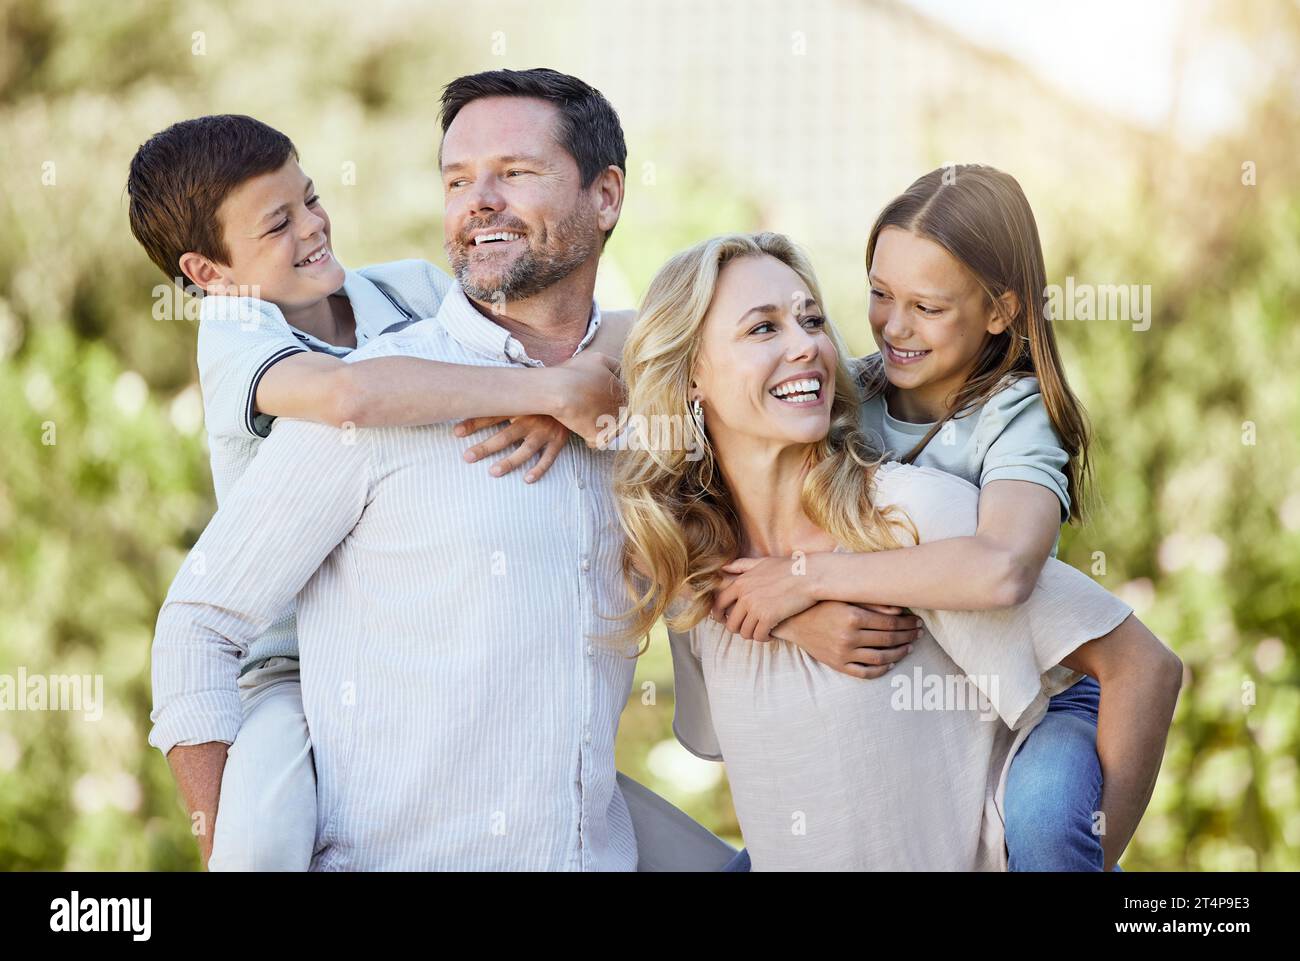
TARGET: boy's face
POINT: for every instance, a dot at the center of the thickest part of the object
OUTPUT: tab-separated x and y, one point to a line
272	225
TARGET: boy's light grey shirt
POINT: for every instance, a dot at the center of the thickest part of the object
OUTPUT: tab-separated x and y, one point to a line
462	711
1010	437
241	338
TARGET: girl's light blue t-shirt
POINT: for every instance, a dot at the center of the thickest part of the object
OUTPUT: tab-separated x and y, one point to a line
1008	437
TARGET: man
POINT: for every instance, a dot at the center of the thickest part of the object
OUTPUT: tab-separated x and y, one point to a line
462	706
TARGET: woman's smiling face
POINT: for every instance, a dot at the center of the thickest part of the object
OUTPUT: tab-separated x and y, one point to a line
929	315
766	366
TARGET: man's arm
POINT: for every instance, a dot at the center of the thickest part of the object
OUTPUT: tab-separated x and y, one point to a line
300	497
197	769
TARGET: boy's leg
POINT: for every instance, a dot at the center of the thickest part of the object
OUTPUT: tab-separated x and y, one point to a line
1054	786
266	818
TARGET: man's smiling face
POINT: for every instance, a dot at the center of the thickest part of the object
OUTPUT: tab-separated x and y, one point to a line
516	218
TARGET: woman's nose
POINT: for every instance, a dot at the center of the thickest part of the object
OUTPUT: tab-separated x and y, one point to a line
803	345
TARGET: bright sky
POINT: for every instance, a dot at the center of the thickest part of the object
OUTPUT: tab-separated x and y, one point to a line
1117	54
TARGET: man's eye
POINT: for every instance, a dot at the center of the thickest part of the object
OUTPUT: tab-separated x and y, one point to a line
276	230
511	172
879	294
454	184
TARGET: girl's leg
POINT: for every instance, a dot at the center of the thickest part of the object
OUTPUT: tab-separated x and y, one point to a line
1054	788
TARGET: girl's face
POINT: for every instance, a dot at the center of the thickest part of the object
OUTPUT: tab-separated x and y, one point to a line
766	366
929	315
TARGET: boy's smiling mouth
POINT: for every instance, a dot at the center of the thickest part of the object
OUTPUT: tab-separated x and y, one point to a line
318	256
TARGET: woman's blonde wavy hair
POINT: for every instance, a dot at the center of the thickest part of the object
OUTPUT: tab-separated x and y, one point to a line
678	516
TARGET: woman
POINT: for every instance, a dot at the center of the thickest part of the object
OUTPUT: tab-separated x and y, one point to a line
828	772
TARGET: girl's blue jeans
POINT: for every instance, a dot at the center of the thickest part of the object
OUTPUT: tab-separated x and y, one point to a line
1054	788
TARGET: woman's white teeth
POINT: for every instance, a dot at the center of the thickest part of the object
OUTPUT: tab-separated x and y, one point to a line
906	354
314	257
484	238
798	391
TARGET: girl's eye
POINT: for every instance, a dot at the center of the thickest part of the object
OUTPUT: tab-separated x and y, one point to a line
313	200
276	230
927	310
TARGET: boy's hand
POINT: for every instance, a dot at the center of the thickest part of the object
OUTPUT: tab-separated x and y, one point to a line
535	432
767	591
862	642
587	387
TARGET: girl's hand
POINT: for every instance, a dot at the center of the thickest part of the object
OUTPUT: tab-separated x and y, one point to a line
535	432
766	592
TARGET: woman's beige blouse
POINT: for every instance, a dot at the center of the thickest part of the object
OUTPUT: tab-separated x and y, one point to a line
903	772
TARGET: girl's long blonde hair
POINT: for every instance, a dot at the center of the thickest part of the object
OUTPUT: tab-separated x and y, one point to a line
675	509
982	217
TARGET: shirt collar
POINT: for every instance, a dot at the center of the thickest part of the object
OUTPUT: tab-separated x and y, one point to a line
372	309
463	321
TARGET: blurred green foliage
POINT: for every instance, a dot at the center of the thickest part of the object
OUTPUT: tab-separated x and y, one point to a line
104	481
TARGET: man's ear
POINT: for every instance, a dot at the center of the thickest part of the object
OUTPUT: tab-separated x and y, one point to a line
202	272
1003	312
609	197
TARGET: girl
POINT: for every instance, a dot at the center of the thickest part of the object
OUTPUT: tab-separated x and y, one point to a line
827	772
969	381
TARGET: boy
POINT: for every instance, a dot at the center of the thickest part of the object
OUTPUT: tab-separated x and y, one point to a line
223	199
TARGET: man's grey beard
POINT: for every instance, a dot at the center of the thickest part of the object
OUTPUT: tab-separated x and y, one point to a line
563	252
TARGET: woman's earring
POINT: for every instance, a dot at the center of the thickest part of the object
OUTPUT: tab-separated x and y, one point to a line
697	411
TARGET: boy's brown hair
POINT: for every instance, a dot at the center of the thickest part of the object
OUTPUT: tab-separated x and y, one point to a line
180	177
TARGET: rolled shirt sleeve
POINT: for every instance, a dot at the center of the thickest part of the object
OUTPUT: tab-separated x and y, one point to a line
299	499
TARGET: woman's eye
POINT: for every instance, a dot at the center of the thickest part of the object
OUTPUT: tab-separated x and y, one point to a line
927	310
313	200
277	229
817	322
878	294
760	327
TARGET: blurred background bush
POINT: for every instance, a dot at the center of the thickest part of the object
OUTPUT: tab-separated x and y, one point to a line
1158	143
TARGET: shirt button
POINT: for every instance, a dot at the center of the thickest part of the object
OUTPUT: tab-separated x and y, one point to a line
586	564
587	737
591	651
581	483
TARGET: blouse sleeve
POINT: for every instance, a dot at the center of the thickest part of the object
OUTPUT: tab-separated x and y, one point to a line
1012	654
692	719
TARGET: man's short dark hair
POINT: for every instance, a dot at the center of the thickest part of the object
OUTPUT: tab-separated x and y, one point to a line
588	128
180	177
